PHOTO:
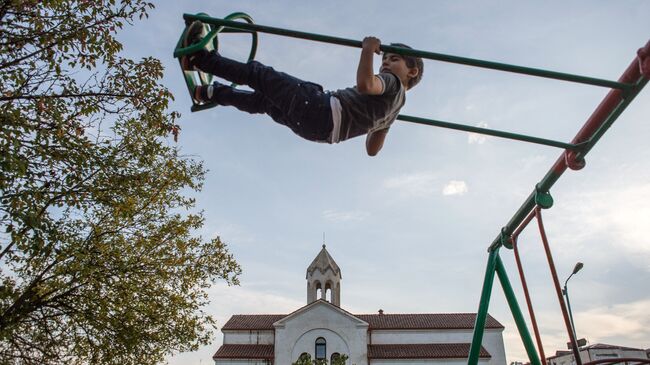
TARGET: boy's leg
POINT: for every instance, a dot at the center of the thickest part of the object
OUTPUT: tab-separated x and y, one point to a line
246	101
303	105
277	86
314	124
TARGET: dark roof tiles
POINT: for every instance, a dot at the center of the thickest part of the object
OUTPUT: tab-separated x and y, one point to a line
397	351
426	321
423	351
376	321
252	321
233	351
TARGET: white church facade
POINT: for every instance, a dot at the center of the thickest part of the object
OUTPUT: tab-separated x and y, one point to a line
324	330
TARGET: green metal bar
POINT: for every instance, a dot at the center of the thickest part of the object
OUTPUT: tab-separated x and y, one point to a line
211	36
516	313
211	41
413	52
553	175
490	132
484	304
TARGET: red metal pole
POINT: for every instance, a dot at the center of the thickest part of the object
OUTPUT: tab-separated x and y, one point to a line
558	290
640	64
599	118
529	303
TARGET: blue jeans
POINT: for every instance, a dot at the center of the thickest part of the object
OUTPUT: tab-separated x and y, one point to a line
300	105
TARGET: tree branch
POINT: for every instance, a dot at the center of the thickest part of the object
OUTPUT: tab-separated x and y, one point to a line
59	96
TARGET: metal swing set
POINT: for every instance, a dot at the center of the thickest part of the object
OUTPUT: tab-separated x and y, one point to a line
621	94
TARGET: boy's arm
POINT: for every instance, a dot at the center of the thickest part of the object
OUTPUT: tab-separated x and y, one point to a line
375	141
367	82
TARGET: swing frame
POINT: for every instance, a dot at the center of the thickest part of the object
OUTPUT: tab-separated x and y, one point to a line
622	93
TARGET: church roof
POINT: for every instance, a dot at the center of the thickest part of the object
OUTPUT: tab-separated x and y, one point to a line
252	321
321	302
235	351
376	321
400	351
426	321
322	262
423	351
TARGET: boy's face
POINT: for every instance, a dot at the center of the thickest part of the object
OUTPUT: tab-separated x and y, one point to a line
395	64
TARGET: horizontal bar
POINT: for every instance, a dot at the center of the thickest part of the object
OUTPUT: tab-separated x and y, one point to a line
490	132
413	52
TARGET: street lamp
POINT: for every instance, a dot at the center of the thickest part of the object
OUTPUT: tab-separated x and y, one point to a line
565	291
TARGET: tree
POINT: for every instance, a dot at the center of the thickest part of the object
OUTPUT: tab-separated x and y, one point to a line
305	359
99	259
340	360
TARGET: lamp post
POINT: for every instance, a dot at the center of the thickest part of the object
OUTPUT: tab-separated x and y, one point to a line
565	291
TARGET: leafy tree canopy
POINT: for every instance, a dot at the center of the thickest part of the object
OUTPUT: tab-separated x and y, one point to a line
99	259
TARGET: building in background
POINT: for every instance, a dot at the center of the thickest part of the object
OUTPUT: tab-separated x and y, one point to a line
598	351
322	329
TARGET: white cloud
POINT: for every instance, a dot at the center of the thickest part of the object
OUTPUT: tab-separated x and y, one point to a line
607	324
226	301
475	138
417	184
616	216
455	187
534	163
345	216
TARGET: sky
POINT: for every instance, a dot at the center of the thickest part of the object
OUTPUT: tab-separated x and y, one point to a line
410	227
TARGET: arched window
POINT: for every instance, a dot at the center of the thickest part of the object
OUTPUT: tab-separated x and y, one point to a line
334	357
321	349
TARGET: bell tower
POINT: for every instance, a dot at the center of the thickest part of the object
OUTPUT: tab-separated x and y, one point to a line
324	279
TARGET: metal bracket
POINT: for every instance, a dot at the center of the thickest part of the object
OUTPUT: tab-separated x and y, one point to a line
543	198
506	239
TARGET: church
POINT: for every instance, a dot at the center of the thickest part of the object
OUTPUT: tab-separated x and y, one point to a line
322	329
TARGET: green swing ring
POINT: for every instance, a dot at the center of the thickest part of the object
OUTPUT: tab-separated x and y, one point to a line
209	42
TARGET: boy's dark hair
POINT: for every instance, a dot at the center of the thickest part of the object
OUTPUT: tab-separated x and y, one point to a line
412	62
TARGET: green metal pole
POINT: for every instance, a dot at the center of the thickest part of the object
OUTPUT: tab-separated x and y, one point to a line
516	313
490	132
412	52
484	304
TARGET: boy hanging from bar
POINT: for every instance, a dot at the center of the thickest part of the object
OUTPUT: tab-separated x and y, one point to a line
368	108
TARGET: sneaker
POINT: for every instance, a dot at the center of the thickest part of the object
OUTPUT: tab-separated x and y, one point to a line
200	94
205	93
194	34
